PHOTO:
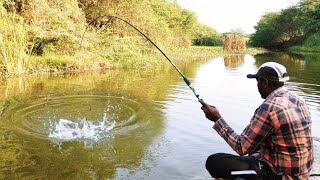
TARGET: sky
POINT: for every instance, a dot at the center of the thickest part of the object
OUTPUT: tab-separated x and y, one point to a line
227	15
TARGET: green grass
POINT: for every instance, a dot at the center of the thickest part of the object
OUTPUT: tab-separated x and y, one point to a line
311	44
13	43
203	52
123	58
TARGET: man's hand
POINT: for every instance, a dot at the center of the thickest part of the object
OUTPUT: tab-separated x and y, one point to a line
211	112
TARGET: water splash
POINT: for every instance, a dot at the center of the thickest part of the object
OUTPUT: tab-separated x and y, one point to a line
80	130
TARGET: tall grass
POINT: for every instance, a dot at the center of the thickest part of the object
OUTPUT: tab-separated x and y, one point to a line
311	44
13	43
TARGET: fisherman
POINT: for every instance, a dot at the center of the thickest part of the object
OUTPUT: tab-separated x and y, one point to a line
278	138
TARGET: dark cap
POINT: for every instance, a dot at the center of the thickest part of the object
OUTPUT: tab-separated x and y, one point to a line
271	71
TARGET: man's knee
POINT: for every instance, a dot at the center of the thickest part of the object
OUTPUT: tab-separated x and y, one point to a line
215	158
212	159
212	163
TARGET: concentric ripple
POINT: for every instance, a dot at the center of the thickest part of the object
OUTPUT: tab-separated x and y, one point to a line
69	118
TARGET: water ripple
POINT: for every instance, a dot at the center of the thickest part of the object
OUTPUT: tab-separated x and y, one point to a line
72	118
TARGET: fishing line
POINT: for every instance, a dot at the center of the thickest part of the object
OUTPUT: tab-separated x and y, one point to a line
186	80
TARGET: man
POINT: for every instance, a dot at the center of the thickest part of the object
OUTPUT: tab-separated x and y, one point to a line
278	138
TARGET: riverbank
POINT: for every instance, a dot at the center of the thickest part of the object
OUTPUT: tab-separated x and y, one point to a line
40	37
310	45
88	61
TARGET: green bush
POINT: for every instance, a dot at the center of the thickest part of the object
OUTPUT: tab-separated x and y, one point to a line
311	44
208	41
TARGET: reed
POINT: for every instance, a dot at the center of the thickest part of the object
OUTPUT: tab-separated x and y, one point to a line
13	43
233	42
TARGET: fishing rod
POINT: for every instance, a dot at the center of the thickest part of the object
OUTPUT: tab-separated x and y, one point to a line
185	79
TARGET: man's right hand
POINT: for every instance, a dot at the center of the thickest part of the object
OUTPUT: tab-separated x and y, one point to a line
211	112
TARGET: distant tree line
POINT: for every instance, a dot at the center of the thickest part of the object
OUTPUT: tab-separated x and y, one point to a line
289	27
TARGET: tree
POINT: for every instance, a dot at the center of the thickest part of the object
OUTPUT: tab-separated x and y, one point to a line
289	27
266	31
310	15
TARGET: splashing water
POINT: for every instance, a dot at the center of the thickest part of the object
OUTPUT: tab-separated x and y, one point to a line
80	130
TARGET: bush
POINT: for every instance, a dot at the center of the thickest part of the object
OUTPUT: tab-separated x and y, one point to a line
207	41
311	44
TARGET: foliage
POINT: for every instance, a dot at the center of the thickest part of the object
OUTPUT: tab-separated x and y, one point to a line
311	44
310	13
56	25
49	35
278	30
291	26
291	31
172	22
265	31
203	35
13	43
208	41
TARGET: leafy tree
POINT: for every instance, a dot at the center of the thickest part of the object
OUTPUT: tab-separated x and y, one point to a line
310	15
203	35
289	27
266	31
278	30
291	31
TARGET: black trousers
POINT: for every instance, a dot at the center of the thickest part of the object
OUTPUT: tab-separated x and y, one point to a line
220	165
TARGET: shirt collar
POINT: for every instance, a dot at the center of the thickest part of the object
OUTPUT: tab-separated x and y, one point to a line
277	92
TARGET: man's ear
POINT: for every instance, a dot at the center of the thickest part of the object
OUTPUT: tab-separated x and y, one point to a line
265	83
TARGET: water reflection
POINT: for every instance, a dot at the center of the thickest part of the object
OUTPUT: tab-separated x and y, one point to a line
233	61
33	107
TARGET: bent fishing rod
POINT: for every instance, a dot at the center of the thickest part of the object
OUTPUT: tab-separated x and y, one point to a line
185	79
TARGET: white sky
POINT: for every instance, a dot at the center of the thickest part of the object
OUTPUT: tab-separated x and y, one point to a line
226	15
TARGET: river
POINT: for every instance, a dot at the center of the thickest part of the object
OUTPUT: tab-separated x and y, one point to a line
125	124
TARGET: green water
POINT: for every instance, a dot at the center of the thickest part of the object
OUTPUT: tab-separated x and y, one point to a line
134	124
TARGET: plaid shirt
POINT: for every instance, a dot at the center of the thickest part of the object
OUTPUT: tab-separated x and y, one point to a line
280	131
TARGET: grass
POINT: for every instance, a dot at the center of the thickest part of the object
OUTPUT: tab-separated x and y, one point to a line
13	42
114	52
203	52
49	40
311	44
123	58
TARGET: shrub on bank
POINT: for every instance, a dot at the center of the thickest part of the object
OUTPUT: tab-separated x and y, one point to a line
208	41
311	44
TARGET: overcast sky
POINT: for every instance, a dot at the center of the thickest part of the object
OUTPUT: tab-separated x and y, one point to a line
226	15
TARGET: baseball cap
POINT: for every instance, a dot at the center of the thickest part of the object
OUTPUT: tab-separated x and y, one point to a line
271	71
